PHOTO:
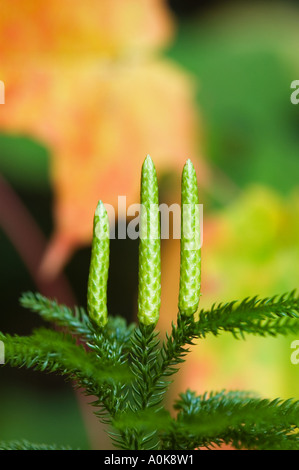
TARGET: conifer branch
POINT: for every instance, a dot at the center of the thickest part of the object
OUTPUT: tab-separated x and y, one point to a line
76	322
238	418
143	358
26	445
53	351
268	316
126	368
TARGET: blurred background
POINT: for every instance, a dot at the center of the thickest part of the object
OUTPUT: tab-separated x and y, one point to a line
91	88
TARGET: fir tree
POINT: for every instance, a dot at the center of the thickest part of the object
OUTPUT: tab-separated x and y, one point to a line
128	369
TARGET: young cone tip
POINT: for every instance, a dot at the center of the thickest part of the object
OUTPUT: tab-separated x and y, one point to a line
100	209
101	222
189	165
148	163
189	172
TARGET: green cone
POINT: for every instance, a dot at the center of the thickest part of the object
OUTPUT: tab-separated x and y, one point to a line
190	268
149	289
99	265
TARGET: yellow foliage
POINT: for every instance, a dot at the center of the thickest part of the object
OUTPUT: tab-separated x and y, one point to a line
84	79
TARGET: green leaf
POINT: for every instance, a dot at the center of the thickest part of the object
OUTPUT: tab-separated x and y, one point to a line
25	162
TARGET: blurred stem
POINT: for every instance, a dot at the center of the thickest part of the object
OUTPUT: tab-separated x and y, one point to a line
30	243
